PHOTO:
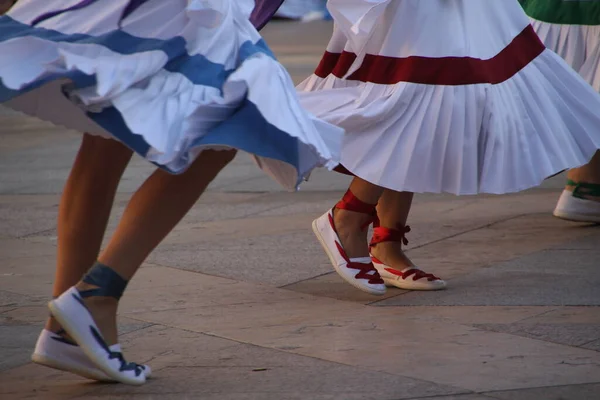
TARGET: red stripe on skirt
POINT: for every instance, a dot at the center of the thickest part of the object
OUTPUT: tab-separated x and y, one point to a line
524	48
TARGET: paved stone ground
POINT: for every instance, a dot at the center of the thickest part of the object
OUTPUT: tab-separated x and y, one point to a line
240	303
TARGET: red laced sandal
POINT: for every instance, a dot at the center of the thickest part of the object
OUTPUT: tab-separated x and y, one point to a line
410	278
359	272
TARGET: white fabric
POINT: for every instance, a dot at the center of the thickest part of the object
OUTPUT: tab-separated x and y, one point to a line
458	139
427	28
578	45
165	107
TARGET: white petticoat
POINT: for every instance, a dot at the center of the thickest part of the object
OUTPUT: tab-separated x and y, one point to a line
578	45
458	138
180	76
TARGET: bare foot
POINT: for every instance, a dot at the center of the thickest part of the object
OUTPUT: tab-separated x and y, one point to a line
5	5
351	230
53	326
104	312
391	254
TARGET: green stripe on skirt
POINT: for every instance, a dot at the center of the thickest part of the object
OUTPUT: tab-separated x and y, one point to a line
564	12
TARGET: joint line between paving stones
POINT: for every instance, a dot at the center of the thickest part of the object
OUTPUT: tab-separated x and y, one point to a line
471	230
141	327
523	334
450	396
28	235
591	341
154	264
28	296
452	237
461	391
491	392
265	210
414	248
537	315
304	280
558	308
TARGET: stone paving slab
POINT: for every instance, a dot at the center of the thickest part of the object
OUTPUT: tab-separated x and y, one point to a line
286	321
443	353
566	315
246	243
568	392
325	379
189	368
331	329
247	258
16	343
12	300
456	257
595	345
572	335
23	216
28	275
589	243
12	248
459	397
548	277
473	315
286	396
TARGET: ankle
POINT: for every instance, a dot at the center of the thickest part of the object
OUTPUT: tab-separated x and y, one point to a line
52	325
351	219
383	249
582	177
584	189
392	254
102	281
104	312
82	286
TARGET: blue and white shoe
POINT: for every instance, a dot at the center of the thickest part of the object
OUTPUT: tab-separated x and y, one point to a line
73	315
55	351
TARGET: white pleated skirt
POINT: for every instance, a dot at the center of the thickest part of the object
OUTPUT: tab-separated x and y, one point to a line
578	45
456	96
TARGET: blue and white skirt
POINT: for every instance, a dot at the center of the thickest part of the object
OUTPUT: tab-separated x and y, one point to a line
166	78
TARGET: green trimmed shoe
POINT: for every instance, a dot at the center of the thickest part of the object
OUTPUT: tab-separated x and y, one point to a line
574	206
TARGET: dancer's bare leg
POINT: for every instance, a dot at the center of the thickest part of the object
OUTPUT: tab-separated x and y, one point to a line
84	209
393	265
5	5
154	210
393	209
350	224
